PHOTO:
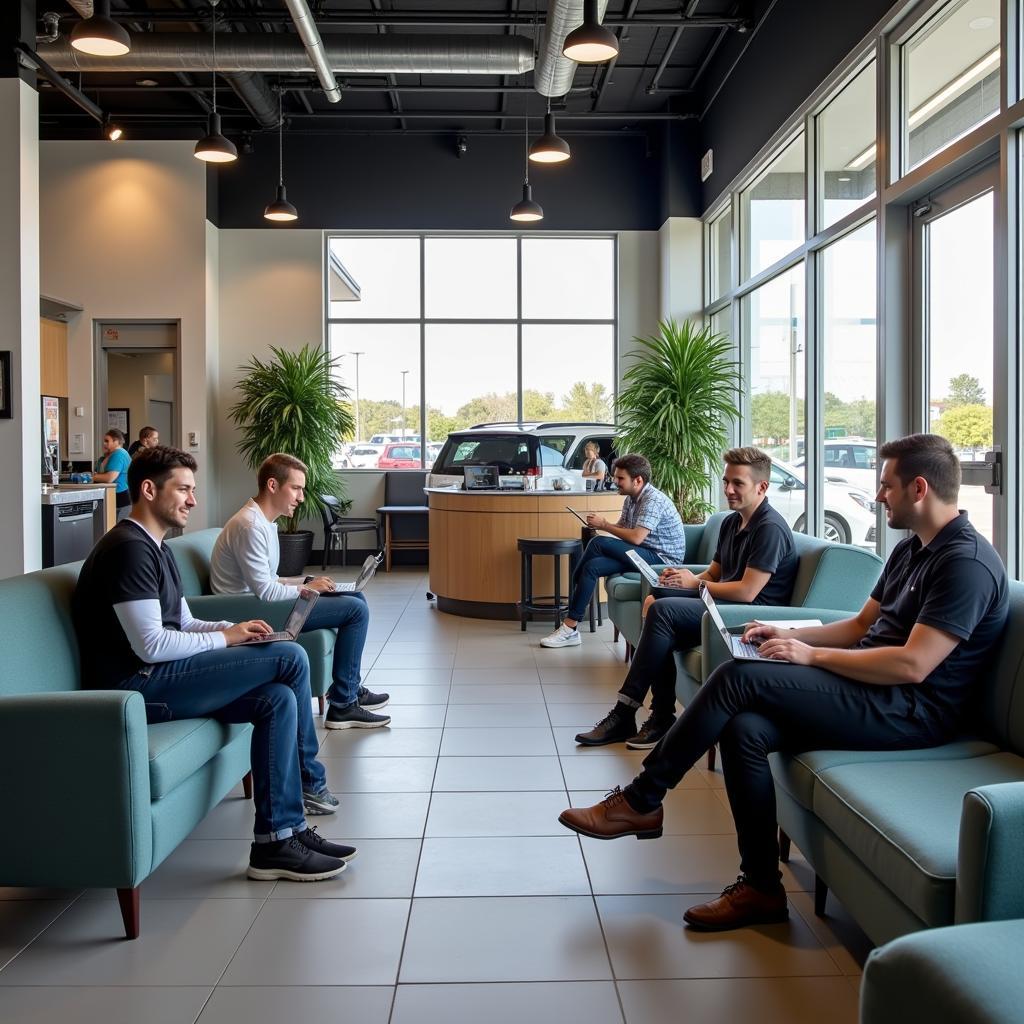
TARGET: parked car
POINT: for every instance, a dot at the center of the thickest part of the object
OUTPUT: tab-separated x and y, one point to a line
521	449
365	456
394	438
849	510
852	459
400	456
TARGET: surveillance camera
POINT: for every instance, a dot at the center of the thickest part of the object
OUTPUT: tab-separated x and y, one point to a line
461	146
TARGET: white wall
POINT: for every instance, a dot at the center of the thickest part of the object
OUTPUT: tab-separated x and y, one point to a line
639	270
123	234
682	289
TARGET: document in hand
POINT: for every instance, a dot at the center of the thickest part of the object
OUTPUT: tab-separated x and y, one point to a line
788	623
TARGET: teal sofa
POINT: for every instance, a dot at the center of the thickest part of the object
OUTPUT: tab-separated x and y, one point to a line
192	552
968	974
129	792
916	839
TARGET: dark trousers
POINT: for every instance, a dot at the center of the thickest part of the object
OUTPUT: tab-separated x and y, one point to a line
603	556
754	708
672	624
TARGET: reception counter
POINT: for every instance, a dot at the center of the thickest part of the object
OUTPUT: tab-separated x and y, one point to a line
474	561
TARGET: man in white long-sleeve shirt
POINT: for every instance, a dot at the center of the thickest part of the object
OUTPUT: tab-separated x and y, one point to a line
135	632
245	560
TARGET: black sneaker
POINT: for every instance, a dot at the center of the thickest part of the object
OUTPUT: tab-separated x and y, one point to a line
312	840
372	701
650	733
354	717
616	727
292	860
320	803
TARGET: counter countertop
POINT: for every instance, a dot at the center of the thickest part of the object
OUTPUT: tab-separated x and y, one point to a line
515	493
69	495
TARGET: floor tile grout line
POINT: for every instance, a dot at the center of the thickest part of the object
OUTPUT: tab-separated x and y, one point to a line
7	963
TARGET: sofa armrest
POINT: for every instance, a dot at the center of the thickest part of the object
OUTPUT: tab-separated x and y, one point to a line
89	750
239	608
990	872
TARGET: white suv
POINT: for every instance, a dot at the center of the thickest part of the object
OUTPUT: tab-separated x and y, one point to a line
852	459
522	449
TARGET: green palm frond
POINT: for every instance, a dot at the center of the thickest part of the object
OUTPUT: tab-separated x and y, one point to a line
294	403
678	398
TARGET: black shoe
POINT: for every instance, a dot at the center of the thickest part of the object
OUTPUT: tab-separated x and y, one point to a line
312	840
650	733
354	717
291	859
616	727
372	701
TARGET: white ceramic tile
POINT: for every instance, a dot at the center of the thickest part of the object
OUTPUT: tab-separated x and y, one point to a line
498	693
382	869
375	816
470	774
496	814
256	1005
497	741
379	774
98	1005
509	716
381	742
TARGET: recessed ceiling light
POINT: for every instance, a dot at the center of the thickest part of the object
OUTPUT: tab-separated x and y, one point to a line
147	81
843	177
980	24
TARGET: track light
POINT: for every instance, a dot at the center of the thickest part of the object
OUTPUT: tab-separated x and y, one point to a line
591	43
550	148
112	130
100	35
280	209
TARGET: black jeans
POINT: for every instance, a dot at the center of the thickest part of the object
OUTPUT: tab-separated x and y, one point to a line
754	708
672	624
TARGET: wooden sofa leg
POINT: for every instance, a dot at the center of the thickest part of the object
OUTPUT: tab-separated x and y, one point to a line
785	844
322	703
820	896
711	759
247	785
129	901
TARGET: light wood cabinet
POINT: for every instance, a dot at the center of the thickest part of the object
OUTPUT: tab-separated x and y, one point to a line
53	358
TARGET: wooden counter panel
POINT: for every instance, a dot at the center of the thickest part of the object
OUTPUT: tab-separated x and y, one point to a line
482	557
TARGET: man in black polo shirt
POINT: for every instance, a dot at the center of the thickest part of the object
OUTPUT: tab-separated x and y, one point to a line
754	563
135	632
899	675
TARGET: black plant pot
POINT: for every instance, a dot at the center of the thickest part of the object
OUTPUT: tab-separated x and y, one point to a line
296	549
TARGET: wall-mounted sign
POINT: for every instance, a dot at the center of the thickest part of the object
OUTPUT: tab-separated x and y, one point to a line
111	334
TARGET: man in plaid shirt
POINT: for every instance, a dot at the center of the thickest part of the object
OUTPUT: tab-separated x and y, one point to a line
649	525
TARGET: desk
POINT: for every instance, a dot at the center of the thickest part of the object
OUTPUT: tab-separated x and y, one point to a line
474	563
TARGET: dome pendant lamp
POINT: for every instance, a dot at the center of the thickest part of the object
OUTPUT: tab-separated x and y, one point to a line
214	148
280	209
591	43
550	148
100	35
526	209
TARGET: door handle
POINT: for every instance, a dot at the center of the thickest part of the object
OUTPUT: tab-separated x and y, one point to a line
994	459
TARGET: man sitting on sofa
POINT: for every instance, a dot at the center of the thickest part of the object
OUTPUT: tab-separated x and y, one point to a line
899	675
649	524
245	559
754	563
135	632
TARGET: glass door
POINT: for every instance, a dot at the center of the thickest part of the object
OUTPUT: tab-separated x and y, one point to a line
954	267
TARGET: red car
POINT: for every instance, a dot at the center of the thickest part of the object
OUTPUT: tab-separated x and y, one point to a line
400	456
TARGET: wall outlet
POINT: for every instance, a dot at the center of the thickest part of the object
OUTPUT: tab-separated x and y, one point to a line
707	165
77	444
193	439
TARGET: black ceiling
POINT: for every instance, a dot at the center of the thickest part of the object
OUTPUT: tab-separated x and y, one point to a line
671	61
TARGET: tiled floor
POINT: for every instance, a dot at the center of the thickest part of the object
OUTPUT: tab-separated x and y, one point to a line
468	900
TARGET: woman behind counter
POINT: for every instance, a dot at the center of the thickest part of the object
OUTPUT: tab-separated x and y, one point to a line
112	467
593	468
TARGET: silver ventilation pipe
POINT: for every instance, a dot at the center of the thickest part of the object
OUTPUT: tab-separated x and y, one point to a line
351	54
83	7
310	36
553	74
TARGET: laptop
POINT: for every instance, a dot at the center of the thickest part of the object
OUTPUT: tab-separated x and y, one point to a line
295	621
364	577
645	569
481	478
580	516
737	648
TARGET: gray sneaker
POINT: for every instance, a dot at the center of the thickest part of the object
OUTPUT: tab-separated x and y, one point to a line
562	637
354	717
320	803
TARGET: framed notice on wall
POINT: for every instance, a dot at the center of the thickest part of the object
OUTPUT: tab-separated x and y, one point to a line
6	403
118	418
51	420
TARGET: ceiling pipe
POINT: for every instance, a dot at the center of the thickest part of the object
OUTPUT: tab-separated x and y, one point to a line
553	74
310	36
351	54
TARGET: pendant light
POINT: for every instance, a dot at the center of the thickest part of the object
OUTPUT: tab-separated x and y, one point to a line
214	148
526	209
591	43
550	148
100	35
280	209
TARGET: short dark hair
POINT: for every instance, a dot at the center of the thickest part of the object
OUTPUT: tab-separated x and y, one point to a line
760	462
147	432
634	465
156	464
116	434
277	467
928	456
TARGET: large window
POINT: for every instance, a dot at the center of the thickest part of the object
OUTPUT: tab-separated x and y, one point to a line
438	333
773	210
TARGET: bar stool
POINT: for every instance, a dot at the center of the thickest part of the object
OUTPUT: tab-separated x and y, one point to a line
587	534
555	547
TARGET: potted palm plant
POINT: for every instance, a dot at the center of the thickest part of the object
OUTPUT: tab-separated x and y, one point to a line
677	400
294	403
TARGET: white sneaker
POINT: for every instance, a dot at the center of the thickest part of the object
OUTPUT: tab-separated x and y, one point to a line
562	637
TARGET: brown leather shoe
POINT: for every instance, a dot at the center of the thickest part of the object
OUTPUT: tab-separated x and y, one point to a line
739	905
612	818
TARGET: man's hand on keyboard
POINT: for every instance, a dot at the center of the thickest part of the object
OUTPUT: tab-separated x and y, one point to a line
785	648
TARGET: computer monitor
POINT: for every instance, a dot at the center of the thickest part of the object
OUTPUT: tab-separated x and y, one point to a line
481	478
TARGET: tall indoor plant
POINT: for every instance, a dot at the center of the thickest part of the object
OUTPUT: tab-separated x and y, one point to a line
678	398
294	403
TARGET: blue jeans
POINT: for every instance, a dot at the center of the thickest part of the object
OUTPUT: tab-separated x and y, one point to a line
266	685
350	616
603	556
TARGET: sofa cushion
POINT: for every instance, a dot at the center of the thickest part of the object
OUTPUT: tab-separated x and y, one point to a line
901	819
177	749
192	552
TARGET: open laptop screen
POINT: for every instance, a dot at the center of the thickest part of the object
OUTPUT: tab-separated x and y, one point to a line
481	478
297	616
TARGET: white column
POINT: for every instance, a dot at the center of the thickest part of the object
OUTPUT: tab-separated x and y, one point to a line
20	437
681	272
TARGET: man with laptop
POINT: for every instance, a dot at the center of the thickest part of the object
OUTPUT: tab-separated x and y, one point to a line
754	563
898	675
649	524
135	632
244	561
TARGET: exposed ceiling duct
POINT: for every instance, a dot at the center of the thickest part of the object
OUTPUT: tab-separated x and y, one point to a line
553	74
310	36
351	54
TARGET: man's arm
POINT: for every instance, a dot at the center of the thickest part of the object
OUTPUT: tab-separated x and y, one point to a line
842	634
106	478
636	536
249	549
142	623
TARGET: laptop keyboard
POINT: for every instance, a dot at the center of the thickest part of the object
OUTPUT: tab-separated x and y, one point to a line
745	649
